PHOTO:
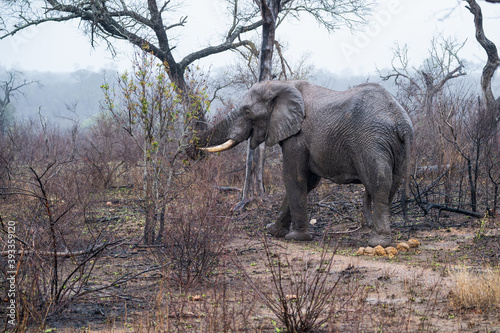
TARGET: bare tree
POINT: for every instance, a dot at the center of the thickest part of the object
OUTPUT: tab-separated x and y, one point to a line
420	89
149	26
11	86
491	106
444	115
424	83
254	184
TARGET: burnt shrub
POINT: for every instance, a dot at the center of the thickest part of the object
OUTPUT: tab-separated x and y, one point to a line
196	230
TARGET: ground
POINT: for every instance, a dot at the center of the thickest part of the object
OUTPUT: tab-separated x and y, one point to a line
410	292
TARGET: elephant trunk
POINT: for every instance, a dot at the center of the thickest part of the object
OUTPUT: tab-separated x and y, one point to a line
225	134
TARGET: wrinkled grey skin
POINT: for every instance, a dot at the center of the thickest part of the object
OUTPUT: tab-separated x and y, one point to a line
361	135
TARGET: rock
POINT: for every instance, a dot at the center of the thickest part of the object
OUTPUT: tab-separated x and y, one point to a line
361	251
380	251
313	221
413	243
391	251
403	247
369	251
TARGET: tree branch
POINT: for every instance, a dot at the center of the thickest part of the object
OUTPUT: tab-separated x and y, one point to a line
228	44
37	22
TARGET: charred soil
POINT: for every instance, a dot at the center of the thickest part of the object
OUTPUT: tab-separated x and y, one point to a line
410	292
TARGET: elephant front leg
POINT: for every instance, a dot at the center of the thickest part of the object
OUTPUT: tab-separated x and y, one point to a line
296	189
282	225
299	225
281	228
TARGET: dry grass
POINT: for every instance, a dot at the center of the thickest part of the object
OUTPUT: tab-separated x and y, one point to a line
478	290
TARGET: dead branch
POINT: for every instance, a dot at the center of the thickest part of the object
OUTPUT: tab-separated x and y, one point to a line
428	206
65	254
228	188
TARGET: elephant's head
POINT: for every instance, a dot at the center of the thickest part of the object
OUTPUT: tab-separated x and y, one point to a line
270	111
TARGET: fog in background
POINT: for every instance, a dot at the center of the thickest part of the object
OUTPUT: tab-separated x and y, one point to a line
70	72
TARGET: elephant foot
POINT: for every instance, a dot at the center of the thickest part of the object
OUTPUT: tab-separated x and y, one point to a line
298	235
366	224
365	228
380	239
277	230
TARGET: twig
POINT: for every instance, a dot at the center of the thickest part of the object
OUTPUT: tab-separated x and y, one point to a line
121	280
344	232
329	207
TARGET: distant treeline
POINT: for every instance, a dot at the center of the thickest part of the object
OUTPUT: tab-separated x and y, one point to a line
66	98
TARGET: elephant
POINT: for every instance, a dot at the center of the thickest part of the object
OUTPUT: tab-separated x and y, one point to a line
361	135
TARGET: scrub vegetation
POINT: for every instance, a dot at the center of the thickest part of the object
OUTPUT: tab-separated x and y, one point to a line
118	230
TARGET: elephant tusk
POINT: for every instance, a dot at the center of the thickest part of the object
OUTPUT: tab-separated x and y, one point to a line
225	146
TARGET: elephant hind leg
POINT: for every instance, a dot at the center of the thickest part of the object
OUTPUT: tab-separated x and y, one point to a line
367	210
381	234
381	194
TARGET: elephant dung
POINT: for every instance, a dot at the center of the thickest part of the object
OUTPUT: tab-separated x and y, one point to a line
361	251
380	251
377	251
391	251
369	251
413	243
403	247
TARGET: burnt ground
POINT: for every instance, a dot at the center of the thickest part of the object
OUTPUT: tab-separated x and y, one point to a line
410	292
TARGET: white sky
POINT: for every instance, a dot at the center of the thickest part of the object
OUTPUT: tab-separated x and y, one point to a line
62	47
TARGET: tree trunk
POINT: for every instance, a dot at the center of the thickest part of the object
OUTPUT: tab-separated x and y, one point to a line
2	125
254	183
489	110
472	187
492	106
176	75
495	199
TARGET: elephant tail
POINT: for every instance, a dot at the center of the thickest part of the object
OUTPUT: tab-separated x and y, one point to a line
406	134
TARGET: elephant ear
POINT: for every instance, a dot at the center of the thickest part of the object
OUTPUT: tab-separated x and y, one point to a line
287	112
